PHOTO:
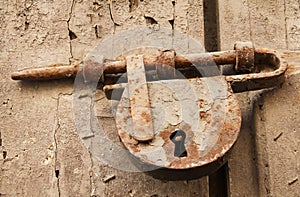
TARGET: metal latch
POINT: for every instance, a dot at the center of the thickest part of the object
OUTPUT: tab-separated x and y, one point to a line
169	115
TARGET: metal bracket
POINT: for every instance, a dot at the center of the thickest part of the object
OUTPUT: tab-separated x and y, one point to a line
262	68
142	128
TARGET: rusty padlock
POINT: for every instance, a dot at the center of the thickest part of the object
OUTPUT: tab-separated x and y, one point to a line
186	127
170	117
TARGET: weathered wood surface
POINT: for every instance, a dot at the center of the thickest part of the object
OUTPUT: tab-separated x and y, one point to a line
257	164
277	134
41	154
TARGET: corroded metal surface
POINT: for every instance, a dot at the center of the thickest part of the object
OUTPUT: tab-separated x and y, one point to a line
142	128
268	69
205	109
58	71
163	60
115	67
244	57
269	72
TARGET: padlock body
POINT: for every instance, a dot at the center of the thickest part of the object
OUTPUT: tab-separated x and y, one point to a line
205	109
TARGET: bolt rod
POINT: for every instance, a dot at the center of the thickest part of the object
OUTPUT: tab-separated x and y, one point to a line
117	67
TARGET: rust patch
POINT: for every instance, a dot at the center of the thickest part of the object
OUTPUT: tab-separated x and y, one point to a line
165	134
244	57
201	103
146	116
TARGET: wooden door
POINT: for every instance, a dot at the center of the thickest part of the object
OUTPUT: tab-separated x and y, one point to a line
41	154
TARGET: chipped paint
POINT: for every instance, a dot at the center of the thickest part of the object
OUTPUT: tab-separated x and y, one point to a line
207	139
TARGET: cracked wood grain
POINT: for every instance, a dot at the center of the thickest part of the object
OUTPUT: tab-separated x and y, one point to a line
73	159
71	33
39	38
33	35
55	140
57	126
110	5
67	161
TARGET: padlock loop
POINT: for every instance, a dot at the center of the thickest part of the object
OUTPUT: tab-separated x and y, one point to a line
264	60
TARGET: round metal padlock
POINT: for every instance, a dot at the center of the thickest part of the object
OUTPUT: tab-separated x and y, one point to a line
181	127
195	123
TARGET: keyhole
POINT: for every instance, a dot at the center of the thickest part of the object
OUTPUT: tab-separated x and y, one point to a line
178	137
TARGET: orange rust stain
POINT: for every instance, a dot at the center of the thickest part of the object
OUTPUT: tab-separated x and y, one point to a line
146	117
122	135
148	105
192	150
201	103
134	148
165	134
132	100
204	115
137	90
